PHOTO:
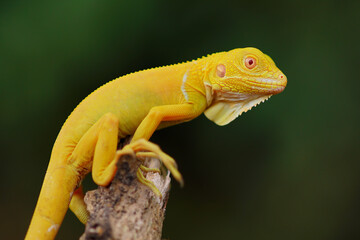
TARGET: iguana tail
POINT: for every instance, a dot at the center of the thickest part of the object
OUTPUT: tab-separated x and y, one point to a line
56	193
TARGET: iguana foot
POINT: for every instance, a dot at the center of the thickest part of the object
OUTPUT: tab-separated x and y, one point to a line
143	148
148	183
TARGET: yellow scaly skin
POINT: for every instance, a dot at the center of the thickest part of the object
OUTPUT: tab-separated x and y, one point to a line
221	85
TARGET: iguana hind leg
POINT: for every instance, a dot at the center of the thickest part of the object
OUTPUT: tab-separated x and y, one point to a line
78	206
63	176
96	147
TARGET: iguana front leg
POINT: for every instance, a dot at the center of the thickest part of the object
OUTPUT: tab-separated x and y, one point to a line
178	112
140	143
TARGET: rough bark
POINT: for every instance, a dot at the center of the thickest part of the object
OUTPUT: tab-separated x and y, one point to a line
127	209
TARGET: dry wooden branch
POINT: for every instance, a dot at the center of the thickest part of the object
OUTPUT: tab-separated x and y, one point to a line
127	209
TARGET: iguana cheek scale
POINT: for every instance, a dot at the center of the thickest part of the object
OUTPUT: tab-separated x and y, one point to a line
222	85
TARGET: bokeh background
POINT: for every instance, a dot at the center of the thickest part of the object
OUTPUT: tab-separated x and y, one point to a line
288	169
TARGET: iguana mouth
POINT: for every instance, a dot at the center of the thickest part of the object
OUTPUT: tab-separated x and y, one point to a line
277	90
268	85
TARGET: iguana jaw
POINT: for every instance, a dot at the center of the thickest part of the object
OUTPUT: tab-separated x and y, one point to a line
268	85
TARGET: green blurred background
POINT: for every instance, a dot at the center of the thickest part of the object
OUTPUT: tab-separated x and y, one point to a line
288	169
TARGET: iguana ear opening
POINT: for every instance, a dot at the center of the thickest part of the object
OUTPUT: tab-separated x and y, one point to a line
220	70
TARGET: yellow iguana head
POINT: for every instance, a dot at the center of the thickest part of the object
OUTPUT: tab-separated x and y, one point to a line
238	80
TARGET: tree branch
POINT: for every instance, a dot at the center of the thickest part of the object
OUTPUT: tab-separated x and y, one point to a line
127	209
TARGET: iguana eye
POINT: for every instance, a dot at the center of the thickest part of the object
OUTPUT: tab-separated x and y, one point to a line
250	62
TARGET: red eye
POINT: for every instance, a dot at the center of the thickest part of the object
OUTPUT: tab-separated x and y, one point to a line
250	62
